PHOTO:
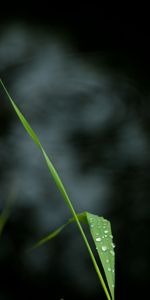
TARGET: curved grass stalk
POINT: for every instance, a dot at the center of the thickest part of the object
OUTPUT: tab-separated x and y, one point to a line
5	214
59	185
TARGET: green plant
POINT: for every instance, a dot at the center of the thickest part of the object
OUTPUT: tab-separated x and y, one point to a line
4	216
100	228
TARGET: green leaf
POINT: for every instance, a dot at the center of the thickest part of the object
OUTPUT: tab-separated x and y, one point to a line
60	187
4	217
100	229
54	233
101	232
5	214
38	143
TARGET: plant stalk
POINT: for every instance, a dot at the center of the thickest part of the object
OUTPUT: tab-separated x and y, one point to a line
60	187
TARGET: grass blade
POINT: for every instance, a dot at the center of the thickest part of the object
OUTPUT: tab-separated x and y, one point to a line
100	229
5	214
54	233
59	185
101	232
4	217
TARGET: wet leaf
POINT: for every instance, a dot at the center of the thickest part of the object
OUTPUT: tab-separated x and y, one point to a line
100	230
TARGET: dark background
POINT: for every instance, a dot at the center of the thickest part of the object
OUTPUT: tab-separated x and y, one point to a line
113	153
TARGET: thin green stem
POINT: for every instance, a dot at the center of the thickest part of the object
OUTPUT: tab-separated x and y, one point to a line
89	249
60	187
73	212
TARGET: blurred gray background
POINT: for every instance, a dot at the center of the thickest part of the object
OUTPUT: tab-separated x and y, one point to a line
90	108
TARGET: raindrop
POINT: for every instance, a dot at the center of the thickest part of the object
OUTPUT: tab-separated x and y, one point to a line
104	248
98	239
113	285
111	236
112	252
105	231
109	269
92	225
113	245
107	260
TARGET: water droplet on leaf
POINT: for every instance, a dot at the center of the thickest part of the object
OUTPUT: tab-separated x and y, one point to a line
113	245
104	248
112	252
98	239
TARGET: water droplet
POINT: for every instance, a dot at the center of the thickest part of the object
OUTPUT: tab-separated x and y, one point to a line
92	225
113	245
106	235
111	236
113	285
104	248
107	260
105	231
102	236
98	239
112	252
109	269
113	270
